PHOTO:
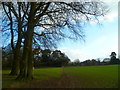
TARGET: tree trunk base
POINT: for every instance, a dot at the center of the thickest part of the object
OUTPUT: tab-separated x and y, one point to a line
13	73
24	78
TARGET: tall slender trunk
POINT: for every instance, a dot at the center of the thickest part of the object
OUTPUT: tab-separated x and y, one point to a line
15	63
30	59
16	60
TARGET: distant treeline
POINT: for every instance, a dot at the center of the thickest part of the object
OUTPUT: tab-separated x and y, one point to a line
94	62
107	61
55	58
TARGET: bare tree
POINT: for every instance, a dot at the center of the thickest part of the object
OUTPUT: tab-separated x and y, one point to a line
52	18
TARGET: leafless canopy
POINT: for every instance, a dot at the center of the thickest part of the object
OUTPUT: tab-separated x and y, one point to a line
58	20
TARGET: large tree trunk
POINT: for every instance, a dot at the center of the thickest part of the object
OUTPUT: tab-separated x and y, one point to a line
26	65
23	62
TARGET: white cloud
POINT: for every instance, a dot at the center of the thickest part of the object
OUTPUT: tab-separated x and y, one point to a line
73	53
82	54
112	13
110	0
109	17
99	48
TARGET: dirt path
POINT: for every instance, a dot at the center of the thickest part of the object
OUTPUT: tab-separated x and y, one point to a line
65	81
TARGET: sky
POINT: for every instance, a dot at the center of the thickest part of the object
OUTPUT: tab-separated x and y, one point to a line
101	39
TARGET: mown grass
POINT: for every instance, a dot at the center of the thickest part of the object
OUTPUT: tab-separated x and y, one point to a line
94	76
46	73
67	77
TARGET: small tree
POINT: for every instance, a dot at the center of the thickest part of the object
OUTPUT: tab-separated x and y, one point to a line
59	58
77	62
113	58
113	54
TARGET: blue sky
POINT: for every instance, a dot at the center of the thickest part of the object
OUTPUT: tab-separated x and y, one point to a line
100	40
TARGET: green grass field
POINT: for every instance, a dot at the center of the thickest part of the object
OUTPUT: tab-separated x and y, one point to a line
67	77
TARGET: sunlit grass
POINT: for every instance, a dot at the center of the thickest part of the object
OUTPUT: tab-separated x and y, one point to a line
46	73
94	76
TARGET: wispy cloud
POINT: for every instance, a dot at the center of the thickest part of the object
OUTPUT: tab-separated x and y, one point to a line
100	47
111	14
109	17
75	54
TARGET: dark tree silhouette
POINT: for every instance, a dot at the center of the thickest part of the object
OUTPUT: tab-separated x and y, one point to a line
113	54
59	59
51	58
113	59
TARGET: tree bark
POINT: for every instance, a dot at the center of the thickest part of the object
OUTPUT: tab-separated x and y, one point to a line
15	64
16	60
26	65
30	58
